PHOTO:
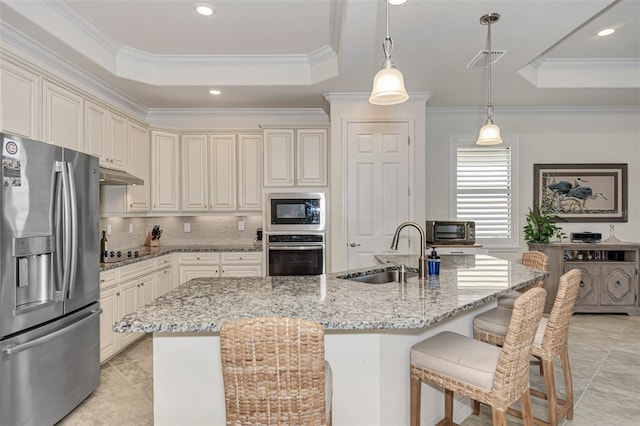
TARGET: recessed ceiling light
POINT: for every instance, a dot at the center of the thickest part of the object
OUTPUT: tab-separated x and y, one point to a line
397	2
606	32
204	9
215	92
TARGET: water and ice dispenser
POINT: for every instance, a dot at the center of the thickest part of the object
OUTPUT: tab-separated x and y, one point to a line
33	271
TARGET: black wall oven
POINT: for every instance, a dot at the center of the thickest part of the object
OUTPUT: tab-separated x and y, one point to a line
295	254
295	212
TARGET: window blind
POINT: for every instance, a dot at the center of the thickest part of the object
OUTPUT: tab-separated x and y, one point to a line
484	191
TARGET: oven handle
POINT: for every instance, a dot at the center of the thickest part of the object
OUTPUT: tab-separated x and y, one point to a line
314	247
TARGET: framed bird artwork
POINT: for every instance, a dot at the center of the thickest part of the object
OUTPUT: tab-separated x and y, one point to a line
581	192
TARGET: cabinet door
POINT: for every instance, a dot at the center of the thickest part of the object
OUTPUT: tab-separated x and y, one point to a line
278	157
146	287
194	173
311	157
129	302
164	281
240	271
109	340
117	155
95	118
249	172
139	166
189	272
165	179
62	117
20	105
588	291
222	172
619	284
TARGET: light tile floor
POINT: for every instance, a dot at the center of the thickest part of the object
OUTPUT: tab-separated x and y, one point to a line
604	354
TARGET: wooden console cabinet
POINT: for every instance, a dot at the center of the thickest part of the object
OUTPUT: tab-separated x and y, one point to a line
609	274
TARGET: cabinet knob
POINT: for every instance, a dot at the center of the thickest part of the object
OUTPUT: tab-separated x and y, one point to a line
581	283
118	293
197	258
618	284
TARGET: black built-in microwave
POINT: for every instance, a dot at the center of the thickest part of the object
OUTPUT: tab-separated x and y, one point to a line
295	211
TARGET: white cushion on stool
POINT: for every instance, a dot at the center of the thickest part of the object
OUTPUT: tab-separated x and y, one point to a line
458	356
496	321
507	300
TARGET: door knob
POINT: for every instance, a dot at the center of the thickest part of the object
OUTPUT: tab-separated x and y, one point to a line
354	244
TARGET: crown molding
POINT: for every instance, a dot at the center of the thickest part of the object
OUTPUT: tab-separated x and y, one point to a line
583	73
540	109
22	48
358	97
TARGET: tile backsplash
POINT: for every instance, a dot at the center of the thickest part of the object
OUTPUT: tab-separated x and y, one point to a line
203	230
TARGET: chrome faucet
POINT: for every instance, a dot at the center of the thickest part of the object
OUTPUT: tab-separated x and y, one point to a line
422	260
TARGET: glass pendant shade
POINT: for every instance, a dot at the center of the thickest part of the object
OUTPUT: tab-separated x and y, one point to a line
388	87
489	134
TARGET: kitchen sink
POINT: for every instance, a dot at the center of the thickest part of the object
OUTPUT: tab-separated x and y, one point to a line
382	277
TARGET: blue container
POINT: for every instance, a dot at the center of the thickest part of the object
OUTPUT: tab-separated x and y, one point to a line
434	263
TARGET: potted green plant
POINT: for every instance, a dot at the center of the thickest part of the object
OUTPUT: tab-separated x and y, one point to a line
541	227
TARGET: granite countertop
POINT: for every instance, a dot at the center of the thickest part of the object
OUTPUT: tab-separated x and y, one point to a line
204	304
147	253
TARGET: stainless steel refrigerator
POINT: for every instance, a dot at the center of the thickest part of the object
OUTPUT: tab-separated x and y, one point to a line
49	265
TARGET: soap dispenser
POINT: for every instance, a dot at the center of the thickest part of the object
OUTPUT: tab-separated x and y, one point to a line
434	263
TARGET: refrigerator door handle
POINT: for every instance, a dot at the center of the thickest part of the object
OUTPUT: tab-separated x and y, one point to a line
66	217
74	230
58	229
13	350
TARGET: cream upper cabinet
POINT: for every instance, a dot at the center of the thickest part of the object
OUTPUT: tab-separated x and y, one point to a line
138	195
279	157
311	157
62	120
20	103
96	128
249	172
165	178
195	188
117	149
222	172
295	157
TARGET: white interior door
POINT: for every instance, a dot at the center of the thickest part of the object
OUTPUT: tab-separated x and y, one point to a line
377	189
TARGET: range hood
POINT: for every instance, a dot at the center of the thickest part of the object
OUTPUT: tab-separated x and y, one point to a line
117	177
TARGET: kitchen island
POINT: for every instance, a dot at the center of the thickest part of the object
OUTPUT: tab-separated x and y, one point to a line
369	331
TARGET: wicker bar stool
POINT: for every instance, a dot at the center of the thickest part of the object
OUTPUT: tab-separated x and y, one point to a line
532	259
551	341
495	376
275	373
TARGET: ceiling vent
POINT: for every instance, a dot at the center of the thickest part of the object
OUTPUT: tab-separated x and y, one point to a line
481	60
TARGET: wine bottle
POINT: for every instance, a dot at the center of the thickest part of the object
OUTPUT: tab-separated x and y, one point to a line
103	247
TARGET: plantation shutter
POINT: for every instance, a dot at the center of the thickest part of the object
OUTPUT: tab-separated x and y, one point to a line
484	192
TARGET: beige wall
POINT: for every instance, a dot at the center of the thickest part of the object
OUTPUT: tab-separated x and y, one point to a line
546	135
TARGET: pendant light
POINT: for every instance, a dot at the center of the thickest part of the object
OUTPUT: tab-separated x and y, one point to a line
388	83
490	132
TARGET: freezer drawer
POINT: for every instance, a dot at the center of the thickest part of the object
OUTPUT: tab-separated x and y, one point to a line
46	372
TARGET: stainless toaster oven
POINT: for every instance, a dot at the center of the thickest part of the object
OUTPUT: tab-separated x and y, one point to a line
450	232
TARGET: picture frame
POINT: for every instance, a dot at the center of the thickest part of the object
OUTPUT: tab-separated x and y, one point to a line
581	192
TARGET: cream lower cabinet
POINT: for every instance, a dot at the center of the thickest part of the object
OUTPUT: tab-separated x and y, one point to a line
124	290
241	264
198	265
225	264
